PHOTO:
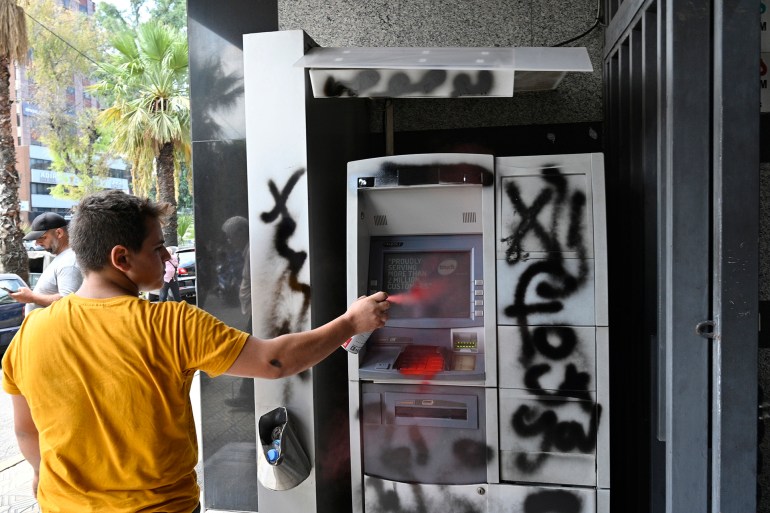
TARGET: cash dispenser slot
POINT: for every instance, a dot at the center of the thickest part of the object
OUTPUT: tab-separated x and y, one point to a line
438	410
432	409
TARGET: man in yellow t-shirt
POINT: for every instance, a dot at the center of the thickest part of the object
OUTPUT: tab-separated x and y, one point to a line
100	380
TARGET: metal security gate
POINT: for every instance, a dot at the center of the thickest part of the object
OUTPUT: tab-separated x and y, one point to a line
682	125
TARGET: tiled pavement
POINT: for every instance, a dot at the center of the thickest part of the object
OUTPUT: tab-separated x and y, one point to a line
15	473
16	486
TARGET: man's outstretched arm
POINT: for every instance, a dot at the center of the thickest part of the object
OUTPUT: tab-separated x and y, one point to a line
292	353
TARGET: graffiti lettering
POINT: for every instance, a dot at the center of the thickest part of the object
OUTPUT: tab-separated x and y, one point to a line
552	282
552	501
367	82
417	500
295	259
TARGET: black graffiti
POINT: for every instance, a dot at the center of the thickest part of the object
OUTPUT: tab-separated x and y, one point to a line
365	82
575	385
387	500
407	453
435	173
463	84
468	453
557	185
400	84
362	81
283	231
553	501
566	435
553	283
554	269
471	453
540	342
404	457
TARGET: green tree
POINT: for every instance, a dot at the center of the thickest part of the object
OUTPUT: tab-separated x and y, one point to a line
66	121
186	228
150	116
171	12
110	18
168	12
13	47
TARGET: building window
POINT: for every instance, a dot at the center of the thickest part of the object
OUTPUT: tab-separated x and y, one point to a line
119	173
41	164
41	188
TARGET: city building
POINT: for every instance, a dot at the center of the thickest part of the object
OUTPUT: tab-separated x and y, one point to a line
33	159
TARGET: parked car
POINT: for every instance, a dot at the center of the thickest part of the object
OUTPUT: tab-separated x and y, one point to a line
11	311
185	276
185	273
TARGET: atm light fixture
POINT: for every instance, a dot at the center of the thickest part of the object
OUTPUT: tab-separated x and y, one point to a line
388	72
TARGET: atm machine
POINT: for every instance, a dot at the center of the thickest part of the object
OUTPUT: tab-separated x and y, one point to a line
422	390
487	390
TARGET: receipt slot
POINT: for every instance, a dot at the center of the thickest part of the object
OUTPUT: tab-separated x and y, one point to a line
282	462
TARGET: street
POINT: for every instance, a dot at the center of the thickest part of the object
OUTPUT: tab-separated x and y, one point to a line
15	473
8	447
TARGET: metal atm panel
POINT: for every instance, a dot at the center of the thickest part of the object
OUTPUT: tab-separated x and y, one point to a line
552	314
542	499
424	434
548	358
545	206
549	209
384	496
546	292
551	240
547	438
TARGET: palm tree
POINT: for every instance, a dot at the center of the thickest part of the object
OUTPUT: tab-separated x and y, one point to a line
13	47
150	114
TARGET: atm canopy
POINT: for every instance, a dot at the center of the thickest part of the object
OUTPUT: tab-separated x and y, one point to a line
389	72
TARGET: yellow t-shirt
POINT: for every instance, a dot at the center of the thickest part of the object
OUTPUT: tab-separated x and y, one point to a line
108	382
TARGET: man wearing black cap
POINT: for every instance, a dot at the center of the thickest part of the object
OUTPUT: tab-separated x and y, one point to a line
62	276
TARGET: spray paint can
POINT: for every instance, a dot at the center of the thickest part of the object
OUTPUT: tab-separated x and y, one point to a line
354	344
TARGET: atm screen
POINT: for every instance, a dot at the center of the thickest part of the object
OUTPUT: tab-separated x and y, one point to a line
428	284
432	281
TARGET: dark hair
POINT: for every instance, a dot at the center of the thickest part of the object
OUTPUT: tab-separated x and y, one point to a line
106	219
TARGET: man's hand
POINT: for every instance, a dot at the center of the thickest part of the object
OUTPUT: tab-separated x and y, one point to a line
23	295
368	313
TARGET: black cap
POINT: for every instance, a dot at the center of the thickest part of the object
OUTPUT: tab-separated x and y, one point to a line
43	223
